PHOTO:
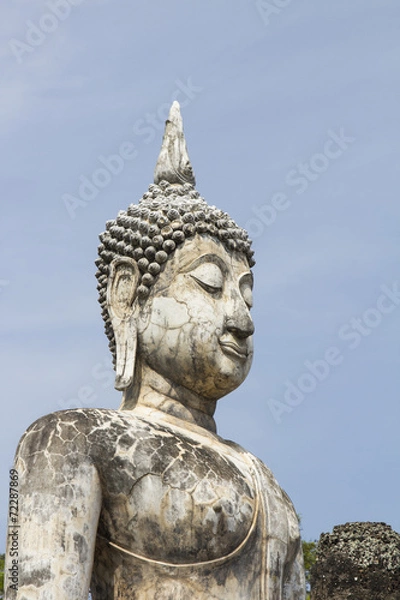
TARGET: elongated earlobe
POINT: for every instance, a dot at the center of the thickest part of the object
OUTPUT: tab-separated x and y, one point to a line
121	293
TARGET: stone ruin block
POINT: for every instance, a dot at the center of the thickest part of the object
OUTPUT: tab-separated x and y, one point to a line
357	561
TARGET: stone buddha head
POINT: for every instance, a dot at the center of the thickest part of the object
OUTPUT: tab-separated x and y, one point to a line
175	284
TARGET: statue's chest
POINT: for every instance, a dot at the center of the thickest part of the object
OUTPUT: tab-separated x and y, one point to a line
174	499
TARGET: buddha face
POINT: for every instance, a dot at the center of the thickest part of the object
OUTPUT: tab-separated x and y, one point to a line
195	329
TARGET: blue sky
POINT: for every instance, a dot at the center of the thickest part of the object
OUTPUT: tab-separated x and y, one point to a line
291	118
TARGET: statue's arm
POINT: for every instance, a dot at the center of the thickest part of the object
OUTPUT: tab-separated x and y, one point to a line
295	584
58	509
294	580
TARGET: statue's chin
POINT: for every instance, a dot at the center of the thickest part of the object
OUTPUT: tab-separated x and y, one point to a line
216	383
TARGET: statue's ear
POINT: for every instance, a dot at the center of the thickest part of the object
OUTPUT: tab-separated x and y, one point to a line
121	292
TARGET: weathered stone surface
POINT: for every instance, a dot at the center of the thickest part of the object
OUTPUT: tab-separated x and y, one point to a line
357	561
148	502
173	163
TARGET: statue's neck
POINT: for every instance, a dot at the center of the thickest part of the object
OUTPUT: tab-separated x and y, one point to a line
154	391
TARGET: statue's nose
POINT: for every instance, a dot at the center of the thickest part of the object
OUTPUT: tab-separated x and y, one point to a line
239	322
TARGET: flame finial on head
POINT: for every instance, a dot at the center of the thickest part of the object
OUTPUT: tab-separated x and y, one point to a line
173	164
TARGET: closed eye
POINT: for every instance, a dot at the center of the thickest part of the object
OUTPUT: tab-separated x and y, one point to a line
209	276
211	289
246	288
247	296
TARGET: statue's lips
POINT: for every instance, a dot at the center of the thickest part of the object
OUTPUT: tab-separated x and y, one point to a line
233	349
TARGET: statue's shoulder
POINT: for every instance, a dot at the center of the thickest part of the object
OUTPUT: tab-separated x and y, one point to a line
80	417
73	426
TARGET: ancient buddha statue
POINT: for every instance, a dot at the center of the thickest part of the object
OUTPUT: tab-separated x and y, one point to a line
147	502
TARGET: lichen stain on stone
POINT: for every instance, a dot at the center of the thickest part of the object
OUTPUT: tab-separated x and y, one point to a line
81	546
37	577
